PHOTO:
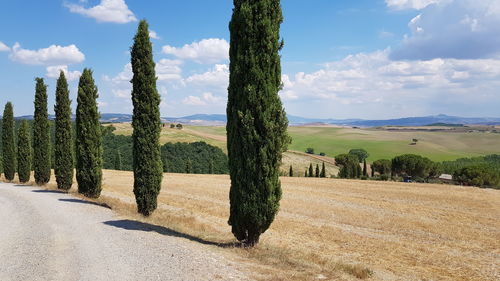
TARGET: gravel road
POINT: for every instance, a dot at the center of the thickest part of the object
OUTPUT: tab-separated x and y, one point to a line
47	235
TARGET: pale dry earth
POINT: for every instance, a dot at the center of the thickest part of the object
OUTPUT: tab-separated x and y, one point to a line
47	235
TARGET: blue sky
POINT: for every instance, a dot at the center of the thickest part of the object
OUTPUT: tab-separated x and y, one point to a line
342	59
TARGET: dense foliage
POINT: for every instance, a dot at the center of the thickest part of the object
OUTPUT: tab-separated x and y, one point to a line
88	138
114	144
416	166
24	152
349	166
8	142
478	175
148	168
41	135
63	145
382	166
360	153
196	158
257	123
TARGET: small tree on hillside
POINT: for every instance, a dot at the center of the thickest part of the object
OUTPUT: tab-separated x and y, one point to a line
323	171
8	144
311	171
290	172
41	135
310	150
88	138
365	171
63	157
305	174
317	171
24	152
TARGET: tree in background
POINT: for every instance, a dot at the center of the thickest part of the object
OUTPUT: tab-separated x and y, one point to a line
88	138
349	166
310	150
290	172
41	135
8	143
382	166
24	152
63	158
412	165
311	172
257	123
118	160
148	167
323	171
360	153
305	174
365	169
317	171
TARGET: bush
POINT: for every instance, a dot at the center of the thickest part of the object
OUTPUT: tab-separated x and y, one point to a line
480	175
310	150
201	158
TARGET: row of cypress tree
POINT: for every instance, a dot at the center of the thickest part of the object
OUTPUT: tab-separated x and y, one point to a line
256	126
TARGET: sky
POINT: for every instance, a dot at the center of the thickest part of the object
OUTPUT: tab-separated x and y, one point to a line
370	59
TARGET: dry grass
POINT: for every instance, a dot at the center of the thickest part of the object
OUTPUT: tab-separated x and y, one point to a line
331	229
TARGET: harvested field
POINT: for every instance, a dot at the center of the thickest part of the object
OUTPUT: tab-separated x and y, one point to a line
339	229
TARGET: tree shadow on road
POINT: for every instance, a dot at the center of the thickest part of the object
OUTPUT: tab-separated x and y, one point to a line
48	191
142	226
85	202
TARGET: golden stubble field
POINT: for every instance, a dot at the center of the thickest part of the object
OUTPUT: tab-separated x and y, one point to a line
330	229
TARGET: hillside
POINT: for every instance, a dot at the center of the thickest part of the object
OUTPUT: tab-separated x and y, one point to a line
336	229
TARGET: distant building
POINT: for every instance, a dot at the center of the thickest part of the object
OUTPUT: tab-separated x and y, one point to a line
446	178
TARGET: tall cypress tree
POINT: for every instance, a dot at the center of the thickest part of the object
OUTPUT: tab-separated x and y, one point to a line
41	135
365	171
63	154
257	123
323	171
317	171
311	171
118	160
8	143
290	172
24	152
88	138
148	170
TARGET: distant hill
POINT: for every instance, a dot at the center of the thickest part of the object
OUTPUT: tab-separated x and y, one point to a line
220	119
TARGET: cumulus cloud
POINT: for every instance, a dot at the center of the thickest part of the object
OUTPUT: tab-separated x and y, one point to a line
460	29
217	77
410	4
374	84
54	71
53	55
208	51
206	98
115	11
168	70
3	47
153	34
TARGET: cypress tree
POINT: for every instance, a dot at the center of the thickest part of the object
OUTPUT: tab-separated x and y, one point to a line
323	171
88	138
118	160
311	172
365	171
63	154
305	174
148	171
41	135
8	144
24	152
290	172
317	171
257	123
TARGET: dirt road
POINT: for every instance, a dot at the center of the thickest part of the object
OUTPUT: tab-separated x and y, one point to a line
47	235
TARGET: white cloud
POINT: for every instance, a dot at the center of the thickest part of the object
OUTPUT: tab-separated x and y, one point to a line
168	70
53	55
115	11
54	71
375	86
3	47
122	93
218	77
410	4
208	51
461	29
206	98
153	34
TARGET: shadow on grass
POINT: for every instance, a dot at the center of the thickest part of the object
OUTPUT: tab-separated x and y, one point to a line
142	226
48	191
85	202
23	185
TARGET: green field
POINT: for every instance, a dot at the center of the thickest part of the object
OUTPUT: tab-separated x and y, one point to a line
438	146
